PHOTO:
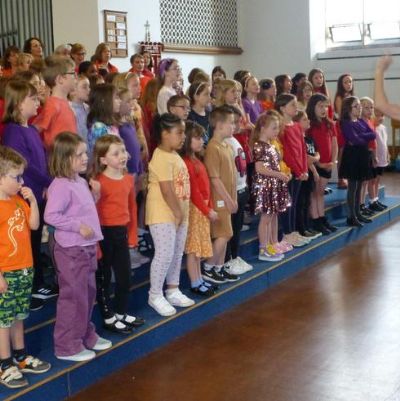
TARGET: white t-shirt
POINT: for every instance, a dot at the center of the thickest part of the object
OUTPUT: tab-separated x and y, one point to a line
239	158
163	97
381	146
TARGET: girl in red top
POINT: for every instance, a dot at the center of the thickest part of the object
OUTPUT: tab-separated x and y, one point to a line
295	156
201	212
116	207
267	93
322	131
317	78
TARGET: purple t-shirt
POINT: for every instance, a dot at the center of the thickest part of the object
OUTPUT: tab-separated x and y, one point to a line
128	134
253	109
27	142
357	132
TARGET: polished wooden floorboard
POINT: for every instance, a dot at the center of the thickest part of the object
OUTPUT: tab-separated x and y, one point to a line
331	333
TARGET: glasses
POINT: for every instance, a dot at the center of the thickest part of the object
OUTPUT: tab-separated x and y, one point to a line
18	178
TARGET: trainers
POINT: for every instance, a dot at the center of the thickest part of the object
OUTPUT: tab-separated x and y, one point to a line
313	234
45	292
266	257
382	205
283	246
36	304
32	365
102	344
137	257
233	267
228	276
247	266
12	378
176	298
301	238
161	305
212	275
84	355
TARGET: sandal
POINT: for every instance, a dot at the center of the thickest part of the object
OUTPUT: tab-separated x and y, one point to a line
136	323
120	328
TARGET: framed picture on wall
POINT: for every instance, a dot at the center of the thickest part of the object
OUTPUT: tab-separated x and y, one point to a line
116	33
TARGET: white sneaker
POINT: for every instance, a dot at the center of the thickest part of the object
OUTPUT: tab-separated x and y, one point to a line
176	298
234	267
161	305
84	355
247	266
102	344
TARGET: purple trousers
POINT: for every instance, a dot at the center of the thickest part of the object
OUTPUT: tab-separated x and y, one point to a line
76	268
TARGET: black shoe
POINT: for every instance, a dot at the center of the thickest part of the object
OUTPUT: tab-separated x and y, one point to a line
382	205
212	275
136	323
364	219
374	206
36	304
354	222
328	225
120	330
366	211
318	226
228	276
207	292
45	292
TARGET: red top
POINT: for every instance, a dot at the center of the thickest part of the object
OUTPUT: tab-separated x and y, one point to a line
200	194
148	73
322	135
110	68
117	204
294	149
371	144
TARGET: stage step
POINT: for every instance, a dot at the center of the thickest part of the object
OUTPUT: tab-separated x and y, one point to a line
66	379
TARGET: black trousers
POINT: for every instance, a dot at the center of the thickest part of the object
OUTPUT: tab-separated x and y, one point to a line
36	243
116	256
232	248
303	206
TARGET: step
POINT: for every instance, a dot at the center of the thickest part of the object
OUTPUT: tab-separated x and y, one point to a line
65	379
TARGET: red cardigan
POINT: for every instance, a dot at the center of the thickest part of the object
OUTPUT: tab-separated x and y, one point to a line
200	194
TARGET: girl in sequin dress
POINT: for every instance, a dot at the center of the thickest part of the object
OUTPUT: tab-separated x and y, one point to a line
269	191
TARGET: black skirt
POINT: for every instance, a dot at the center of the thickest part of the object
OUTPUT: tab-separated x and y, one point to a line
356	163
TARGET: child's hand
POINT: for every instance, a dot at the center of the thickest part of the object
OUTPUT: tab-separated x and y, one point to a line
212	215
232	206
3	284
95	186
27	194
178	218
284	177
86	231
316	177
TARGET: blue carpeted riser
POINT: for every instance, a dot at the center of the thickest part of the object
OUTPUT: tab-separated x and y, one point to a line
63	381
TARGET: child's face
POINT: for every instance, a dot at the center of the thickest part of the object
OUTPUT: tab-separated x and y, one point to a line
321	110
367	110
231	96
68	80
116	157
226	128
307	93
197	143
304	123
25	64
175	137
290	110
134	87
270	131
379	117
217	76
181	109
287	85
318	79
11	183
116	103
12	59
40	86
347	83
82	90
271	92
203	99
252	86
80	159
236	122
355	112
28	107
125	108
174	72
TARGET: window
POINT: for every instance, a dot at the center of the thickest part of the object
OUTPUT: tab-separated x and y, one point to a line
362	22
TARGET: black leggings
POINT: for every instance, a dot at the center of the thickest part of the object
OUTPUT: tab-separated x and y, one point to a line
353	197
115	251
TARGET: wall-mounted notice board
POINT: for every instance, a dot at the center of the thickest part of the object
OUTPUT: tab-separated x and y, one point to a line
116	32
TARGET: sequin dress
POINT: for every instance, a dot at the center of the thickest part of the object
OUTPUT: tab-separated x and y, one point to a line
268	194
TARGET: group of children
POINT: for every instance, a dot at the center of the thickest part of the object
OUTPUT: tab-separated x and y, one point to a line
97	162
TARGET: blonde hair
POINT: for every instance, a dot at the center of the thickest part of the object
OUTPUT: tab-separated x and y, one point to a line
101	147
23	57
15	93
56	66
62	152
221	87
10	159
120	80
264	120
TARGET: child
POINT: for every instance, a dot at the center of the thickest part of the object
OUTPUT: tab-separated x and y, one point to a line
356	161
21	105
221	170
179	105
317	79
201	212
382	159
322	131
79	98
16	273
251	105
168	75
200	100
71	210
57	115
283	84
118	218
104	104
304	93
167	210
295	156
269	190
267	94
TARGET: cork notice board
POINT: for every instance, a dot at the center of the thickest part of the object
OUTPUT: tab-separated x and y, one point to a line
116	32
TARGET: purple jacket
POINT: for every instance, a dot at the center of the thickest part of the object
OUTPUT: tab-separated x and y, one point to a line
128	134
357	132
252	109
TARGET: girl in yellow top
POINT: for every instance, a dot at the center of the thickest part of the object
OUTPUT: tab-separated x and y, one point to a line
167	208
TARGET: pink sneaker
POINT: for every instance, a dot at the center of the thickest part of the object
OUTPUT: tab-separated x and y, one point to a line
283	246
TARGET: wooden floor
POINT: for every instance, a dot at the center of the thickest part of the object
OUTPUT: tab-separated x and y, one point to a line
331	333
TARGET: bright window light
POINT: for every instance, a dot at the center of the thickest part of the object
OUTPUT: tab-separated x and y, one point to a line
346	33
384	30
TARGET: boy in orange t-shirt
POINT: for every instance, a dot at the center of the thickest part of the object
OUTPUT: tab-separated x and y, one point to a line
16	221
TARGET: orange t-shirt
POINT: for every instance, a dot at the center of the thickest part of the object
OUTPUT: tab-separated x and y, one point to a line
117	204
15	235
56	116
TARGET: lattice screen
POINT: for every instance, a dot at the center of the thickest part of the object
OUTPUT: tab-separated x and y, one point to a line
211	23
